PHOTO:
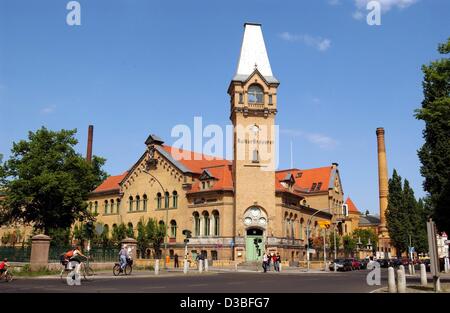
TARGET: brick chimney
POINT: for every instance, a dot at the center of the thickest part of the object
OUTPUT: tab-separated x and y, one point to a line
89	143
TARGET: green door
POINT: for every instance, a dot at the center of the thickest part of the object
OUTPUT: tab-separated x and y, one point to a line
254	251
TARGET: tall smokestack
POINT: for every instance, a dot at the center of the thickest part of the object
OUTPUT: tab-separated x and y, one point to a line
89	143
382	178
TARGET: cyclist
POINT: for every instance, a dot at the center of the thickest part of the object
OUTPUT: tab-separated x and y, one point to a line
3	266
123	255
77	257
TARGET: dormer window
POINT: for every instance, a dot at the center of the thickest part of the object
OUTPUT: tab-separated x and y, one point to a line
255	94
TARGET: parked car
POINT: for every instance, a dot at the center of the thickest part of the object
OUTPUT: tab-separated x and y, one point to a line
384	263
364	263
356	265
395	262
341	265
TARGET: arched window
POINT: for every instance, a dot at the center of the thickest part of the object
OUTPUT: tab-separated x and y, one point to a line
112	206
166	199
255	94
130	204
144	202
173	229
216	223
255	157
174	199
106	206
130	230
106	230
90	207
158	200
96	207
117	206
206	226
196	224
138	203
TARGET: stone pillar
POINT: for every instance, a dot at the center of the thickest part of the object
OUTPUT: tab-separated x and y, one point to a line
186	267
40	245
401	281
382	178
200	266
391	280
157	267
423	275
131	247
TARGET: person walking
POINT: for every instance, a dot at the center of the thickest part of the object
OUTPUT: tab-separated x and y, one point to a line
264	264
175	260
269	260
274	261
278	261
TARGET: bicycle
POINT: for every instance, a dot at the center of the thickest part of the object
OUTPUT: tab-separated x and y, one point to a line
127	270
85	269
6	275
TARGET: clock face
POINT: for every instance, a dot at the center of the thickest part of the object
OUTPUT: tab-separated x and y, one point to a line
262	221
255	212
247	221
255	129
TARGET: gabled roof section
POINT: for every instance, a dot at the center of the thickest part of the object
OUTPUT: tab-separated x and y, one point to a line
253	55
223	179
369	220
111	184
153	139
305	180
351	206
206	174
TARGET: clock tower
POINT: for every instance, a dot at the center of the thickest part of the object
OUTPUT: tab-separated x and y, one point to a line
253	99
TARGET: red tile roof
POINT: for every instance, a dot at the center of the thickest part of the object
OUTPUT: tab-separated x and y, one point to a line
196	162
111	183
304	179
351	206
223	179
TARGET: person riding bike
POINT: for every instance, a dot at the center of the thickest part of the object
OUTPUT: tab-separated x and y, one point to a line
3	266
123	256
77	257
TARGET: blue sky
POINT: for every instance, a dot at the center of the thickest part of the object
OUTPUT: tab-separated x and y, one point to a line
138	67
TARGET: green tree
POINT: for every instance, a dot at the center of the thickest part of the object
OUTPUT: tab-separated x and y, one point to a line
419	238
331	240
118	234
142	239
60	237
156	233
435	152
47	182
349	244
364	235
395	217
130	231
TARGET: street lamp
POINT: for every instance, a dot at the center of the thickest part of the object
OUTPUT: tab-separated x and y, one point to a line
308	223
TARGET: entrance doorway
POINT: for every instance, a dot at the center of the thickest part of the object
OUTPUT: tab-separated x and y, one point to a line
254	244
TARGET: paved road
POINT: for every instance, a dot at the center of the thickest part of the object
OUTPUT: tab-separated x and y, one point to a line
349	282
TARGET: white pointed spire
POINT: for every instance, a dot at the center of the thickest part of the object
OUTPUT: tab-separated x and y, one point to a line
253	54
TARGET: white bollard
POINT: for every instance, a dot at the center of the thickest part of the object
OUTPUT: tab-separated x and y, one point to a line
235	267
280	266
156	267
186	266
402	268
391	280
410	269
200	266
446	265
401	281
423	275
206	265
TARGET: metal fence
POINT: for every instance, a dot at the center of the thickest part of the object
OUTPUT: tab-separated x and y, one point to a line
15	254
97	254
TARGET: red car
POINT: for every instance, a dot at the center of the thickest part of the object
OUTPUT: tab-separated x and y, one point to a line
356	265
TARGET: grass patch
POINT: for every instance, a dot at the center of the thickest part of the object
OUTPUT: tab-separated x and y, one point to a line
25	271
